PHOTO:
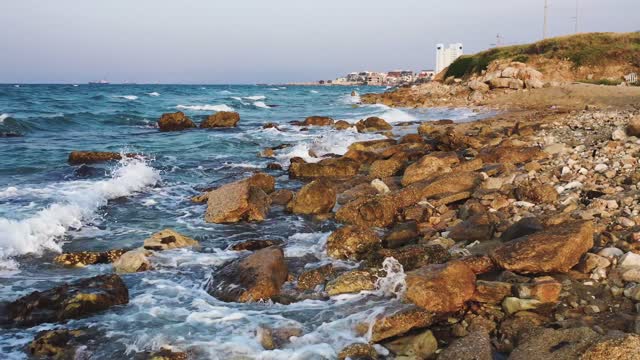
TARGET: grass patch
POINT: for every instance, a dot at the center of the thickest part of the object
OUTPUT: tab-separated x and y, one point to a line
607	82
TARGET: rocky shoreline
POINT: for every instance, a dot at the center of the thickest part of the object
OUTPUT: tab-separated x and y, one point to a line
516	236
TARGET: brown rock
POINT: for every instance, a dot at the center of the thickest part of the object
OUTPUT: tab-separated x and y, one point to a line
69	301
545	289
317	197
168	354
358	352
317	121
398	323
401	235
135	260
418	346
475	346
411	139
352	242
565	344
492	292
341	125
623	347
274	166
59	344
429	166
511	154
442	287
523	227
168	239
221	119
537	192
91	157
309	279
331	168
556	249
253	245
372	124
84	258
477	227
175	122
272	339
386	168
281	197
351	282
237	201
633	127
258	276
479	264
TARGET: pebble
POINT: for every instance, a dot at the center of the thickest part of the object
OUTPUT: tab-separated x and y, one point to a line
600	168
611	252
629	260
618	134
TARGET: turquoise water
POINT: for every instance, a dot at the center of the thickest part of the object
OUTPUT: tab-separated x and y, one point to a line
48	206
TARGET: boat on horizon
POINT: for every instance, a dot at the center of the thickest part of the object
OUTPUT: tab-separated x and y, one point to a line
99	82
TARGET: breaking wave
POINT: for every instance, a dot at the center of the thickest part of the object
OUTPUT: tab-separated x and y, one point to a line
221	107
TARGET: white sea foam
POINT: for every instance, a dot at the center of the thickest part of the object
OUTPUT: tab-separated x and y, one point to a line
393	283
42	230
221	107
154	94
255	97
128	97
3	117
224	92
314	91
261	104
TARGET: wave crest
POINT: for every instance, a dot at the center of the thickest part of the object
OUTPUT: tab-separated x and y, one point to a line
221	107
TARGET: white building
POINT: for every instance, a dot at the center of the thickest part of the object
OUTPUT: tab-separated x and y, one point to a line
445	56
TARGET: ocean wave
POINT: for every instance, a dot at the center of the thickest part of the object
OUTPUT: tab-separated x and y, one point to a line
154	94
127	97
261	104
43	230
221	107
314	91
255	97
3	116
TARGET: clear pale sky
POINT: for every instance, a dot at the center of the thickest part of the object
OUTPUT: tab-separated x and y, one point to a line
249	41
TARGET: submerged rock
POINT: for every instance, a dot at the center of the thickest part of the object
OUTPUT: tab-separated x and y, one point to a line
133	261
351	282
352	242
92	157
317	121
309	279
69	301
442	287
175	122
221	119
258	276
253	245
358	352
275	338
317	197
168	239
237	201
556	249
84	258
60	344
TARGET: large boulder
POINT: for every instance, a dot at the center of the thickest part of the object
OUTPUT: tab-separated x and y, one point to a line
418	346
61	344
175	122
429	166
633	127
623	347
371	124
237	201
386	168
132	261
168	239
330	168
555	249
441	287
317	197
91	157
258	276
352	242
75	300
398	323
221	119
563	344
317	121
351	282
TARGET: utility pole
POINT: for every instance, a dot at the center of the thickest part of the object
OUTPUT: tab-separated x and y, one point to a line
577	13
546	11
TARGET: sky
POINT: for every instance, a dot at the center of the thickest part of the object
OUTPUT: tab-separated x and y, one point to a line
274	41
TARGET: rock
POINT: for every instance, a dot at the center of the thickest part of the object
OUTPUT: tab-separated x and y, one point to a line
476	97
84	258
221	119
274	166
351	282
358	352
629	260
479	86
475	346
253	245
479	264
429	166
591	262
168	239
510	154
491	292
564	344
512	305
310	279
168	354
59	344
419	346
317	197
618	135
372	124
317	121
272	339
352	242
175	122
401	235
611	253
264	181
556	249
523	227
133	261
386	168
544	289
477	227
380	186
411	139
623	347
441	288
330	168
258	276
237	201
74	300
91	157
281	197
537	193
506	83
270	125
633	127
534	84
398	323
342	125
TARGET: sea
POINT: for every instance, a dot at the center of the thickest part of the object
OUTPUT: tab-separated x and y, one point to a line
48	206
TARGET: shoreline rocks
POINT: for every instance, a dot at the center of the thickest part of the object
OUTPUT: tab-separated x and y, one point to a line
221	119
177	121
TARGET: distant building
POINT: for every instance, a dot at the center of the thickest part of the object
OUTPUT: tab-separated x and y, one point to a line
426	75
446	56
631	78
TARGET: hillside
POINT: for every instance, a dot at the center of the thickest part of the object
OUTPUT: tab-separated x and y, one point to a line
588	57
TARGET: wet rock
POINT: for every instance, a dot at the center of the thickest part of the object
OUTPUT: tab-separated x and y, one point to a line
270	125
544	289
477	227
175	122
92	157
556	249
475	346
401	234
258	276
358	352
523	227
398	323
69	301
372	124
512	305
168	239
352	242
563	344
415	256
342	125
309	279
317	197
622	347
492	292
351	282
281	197
330	168
221	119
168	354
317	121
429	166
274	166
275	338
261	180
537	193
253	245
59	344
237	201
442	287
358	191
84	258
419	346
133	261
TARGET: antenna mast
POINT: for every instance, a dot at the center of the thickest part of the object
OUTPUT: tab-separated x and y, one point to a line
546	11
